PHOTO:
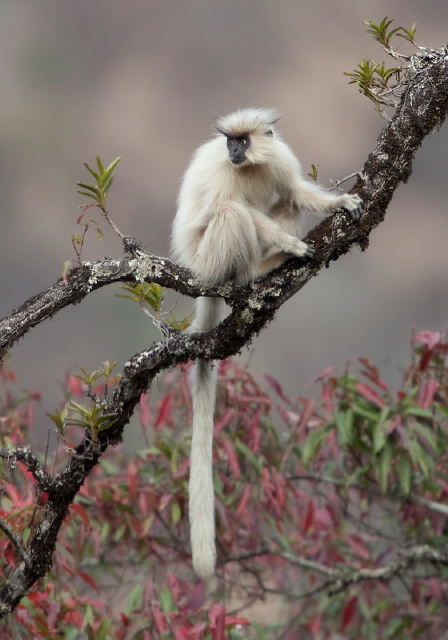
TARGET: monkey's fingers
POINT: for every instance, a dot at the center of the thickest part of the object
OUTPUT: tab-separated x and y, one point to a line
354	206
307	252
357	213
297	247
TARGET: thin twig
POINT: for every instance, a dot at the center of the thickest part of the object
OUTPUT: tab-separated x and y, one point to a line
16	542
112	223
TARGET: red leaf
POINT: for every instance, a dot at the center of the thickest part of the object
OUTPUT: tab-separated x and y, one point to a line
217	616
279	481
174	586
132	480
395	422
327	397
159	618
232	458
435	588
197	596
308	410
75	386
236	620
309	518
144	411
254	431
14	494
164	500
181	633
277	387
164	410
369	394
90	581
223	422
349	612
415	590
323	375
427	393
314	624
247	491
81	512
429	338
358	547
53	612
288	417
371	372
182	469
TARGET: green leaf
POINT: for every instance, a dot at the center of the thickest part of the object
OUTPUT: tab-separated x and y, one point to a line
59	418
175	512
408	34
256	463
94	174
107	183
424	461
384	466
65	268
166	600
111	168
405	474
427	434
314	170
89	187
419	412
379	31
344	424
135	599
89	195
26	535
313	443
100	166
379	435
103	632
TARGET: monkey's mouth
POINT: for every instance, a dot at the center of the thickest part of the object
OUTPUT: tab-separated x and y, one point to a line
237	160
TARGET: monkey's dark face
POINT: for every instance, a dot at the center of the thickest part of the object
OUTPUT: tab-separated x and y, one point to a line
237	147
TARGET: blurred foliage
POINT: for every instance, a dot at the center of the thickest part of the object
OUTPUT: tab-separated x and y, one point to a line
344	480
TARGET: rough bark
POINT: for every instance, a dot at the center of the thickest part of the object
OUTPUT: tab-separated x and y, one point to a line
423	108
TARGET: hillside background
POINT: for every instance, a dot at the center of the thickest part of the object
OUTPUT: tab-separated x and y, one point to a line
143	80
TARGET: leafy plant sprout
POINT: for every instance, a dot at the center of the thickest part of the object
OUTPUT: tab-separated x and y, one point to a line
383	85
98	192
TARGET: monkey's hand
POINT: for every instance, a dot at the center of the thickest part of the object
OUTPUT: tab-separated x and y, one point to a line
352	204
297	248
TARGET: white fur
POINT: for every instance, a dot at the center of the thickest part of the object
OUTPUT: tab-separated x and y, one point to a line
236	222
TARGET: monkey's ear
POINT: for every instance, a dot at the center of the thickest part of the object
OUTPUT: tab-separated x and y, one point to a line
275	116
269	133
221	131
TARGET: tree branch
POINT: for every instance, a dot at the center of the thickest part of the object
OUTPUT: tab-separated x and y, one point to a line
338	579
423	108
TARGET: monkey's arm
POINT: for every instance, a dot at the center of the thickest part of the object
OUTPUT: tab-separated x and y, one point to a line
312	198
293	188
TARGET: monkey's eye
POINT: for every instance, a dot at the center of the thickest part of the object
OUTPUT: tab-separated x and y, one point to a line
243	141
229	142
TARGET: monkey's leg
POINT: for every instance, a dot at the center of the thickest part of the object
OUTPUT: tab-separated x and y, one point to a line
273	238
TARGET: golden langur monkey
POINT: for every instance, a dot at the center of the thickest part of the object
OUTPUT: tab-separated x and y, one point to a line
238	218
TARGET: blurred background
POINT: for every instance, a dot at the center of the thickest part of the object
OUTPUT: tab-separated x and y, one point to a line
143	80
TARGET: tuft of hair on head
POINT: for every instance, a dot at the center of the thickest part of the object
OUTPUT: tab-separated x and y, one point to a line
245	121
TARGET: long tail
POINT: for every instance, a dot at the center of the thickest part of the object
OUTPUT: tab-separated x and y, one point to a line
203	379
